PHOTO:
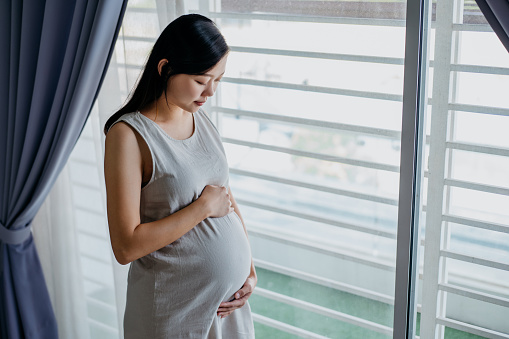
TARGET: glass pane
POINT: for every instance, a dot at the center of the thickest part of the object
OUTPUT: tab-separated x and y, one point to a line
310	112
465	255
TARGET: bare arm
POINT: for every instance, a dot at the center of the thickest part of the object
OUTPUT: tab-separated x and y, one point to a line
130	239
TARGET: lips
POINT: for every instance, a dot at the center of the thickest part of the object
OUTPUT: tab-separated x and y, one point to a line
199	103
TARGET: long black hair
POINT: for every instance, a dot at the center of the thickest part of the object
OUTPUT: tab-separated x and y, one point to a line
192	44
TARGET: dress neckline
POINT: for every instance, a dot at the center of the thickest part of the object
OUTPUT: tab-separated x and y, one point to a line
167	135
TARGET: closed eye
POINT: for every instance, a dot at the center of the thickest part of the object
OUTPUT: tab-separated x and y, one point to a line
201	83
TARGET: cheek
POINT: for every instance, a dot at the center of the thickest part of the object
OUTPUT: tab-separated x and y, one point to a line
188	91
192	88
198	89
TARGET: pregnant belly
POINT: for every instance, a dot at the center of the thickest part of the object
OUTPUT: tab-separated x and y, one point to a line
213	258
181	285
222	254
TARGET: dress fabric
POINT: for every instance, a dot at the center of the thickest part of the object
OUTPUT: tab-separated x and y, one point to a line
175	291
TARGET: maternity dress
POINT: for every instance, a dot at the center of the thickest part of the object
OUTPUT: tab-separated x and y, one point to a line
175	291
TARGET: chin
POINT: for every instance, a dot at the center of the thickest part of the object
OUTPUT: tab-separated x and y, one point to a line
190	109
193	108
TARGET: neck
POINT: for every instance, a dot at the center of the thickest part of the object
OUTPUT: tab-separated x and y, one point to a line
176	122
161	111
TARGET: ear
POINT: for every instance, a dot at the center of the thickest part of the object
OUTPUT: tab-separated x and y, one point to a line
160	65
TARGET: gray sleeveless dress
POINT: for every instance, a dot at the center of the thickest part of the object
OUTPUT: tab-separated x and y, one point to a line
175	291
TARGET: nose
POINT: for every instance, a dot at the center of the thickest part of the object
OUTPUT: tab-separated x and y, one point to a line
209	91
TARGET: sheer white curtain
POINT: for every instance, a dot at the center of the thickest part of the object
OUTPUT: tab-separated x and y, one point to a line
87	286
70	233
56	242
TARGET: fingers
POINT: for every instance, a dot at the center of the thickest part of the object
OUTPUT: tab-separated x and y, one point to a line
217	200
230	306
237	303
230	205
226	310
241	296
242	292
246	290
223	310
224	191
224	314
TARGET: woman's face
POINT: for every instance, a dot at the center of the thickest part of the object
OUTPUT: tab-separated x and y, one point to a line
189	92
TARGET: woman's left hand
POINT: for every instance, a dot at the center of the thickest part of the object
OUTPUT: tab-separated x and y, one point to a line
226	308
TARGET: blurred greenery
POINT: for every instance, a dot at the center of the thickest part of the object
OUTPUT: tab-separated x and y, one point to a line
328	143
354	305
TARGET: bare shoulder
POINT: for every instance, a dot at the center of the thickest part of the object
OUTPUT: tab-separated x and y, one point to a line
122	148
119	132
122	138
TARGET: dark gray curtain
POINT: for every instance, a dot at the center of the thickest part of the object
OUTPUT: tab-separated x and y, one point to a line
53	58
497	14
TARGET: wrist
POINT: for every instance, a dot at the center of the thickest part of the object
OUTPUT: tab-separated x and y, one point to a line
252	275
203	208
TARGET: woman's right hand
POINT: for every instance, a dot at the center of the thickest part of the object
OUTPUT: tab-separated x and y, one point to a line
217	201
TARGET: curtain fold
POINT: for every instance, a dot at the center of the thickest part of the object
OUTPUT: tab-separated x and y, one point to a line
53	57
497	14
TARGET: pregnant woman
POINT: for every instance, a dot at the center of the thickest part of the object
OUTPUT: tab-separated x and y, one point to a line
171	212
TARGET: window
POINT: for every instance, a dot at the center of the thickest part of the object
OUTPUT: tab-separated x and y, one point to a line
310	114
466	278
310	111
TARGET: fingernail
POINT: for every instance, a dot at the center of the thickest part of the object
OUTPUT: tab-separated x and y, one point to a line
237	296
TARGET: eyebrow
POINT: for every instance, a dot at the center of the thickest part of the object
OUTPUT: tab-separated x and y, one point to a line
211	75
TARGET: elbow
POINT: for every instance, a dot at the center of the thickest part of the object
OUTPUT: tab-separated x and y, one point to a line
125	248
122	255
122	260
